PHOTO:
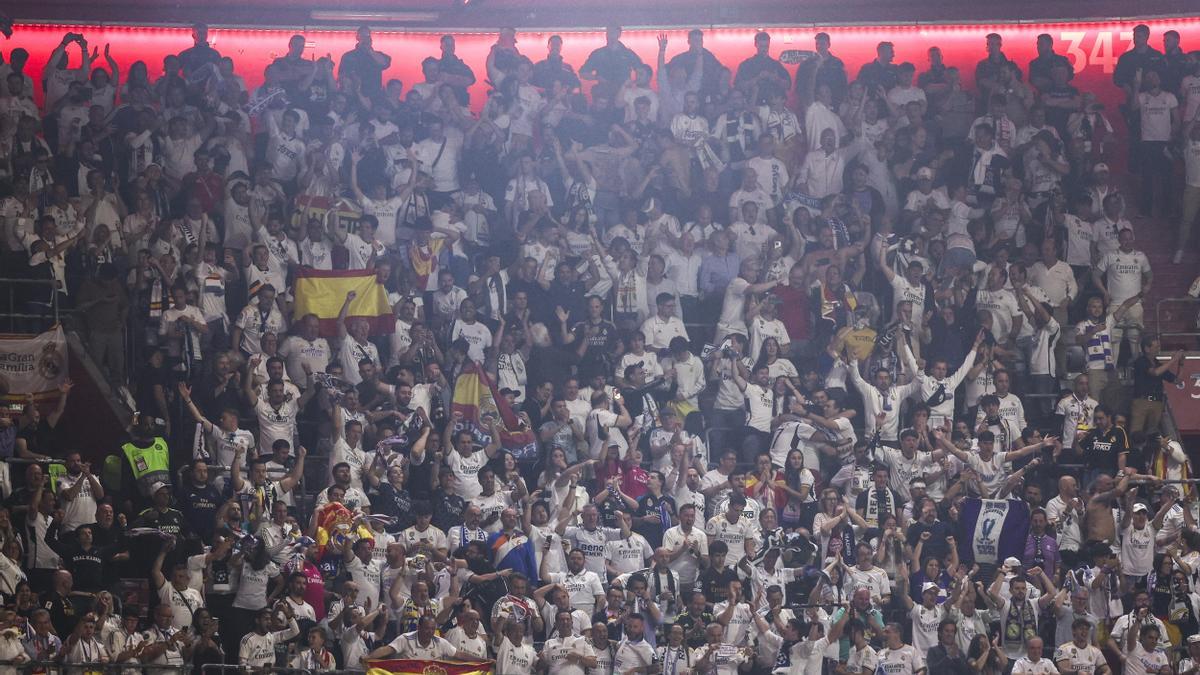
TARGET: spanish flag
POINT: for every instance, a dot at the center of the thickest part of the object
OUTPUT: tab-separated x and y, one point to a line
429	667
475	395
322	292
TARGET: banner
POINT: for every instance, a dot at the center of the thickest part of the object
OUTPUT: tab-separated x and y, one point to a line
322	292
32	367
1184	396
428	667
990	530
476	398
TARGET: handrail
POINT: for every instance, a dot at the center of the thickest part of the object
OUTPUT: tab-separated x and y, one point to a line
11	283
1158	316
28	666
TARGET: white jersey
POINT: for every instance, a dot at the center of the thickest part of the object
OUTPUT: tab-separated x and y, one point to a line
1026	666
1083	660
733	534
903	661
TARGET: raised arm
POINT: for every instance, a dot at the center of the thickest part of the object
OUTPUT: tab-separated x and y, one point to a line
297	473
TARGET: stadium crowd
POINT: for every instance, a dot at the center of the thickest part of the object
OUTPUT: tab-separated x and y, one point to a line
766	336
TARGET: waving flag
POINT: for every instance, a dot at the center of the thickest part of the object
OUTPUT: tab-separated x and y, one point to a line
990	530
322	292
428	667
476	398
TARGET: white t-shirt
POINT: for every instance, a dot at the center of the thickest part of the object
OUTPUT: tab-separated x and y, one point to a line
733	309
862	660
477	336
1083	660
1139	662
512	658
582	588
466	472
1003	306
1137	550
733	534
903	661
592	544
351	353
759	400
275	423
297	351
1044	666
739	622
924	626
628	555
1123	273
687	566
556	650
407	646
82	509
629	656
182	603
1156	115
368	577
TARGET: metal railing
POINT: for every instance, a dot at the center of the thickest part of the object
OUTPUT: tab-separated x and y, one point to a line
52	309
27	667
1158	319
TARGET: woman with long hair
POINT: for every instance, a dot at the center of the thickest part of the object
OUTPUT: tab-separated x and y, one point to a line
769	355
794	495
986	658
206	643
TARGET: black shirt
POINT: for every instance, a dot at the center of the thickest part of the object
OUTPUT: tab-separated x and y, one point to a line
693	627
1041	67
554	69
611	63
714	584
942	663
1129	63
64	611
447	510
1145	383
86	567
647	505
199	507
389	501
196	56
831	72
751	67
935	546
364	65
1102	448
453	65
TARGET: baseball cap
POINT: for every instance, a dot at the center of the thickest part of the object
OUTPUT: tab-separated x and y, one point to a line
924	173
1140	507
1100	166
1011	562
929	586
159	485
1194	639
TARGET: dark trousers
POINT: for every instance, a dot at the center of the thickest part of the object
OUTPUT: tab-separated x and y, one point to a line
1155	168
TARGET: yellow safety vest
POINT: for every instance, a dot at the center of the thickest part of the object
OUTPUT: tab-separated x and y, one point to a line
150	465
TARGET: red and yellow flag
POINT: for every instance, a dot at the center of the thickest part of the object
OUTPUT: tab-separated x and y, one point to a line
322	292
429	667
475	396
